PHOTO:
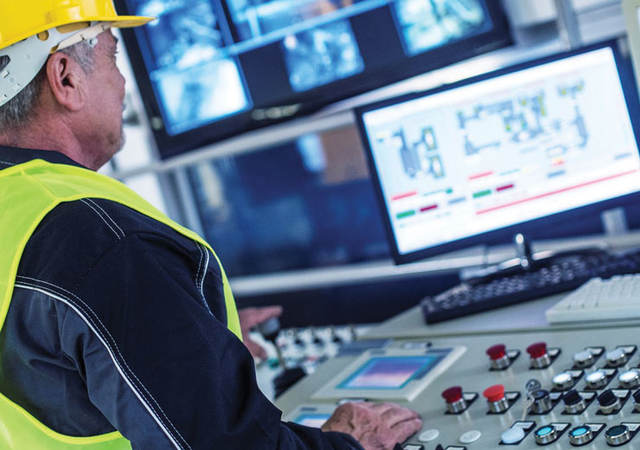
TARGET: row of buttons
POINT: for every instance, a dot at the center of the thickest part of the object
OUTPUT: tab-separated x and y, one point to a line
580	435
610	401
541	356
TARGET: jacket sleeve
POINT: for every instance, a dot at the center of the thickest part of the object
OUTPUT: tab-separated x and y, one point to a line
161	366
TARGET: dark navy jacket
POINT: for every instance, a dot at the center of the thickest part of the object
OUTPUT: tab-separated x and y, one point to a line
118	322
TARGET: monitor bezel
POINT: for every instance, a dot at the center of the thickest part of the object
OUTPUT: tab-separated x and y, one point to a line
312	100
531	228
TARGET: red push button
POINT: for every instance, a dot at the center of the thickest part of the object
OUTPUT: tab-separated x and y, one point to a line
497	351
494	393
537	350
453	394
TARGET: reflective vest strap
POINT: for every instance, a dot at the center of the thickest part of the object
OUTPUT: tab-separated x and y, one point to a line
28	192
19	431
50	184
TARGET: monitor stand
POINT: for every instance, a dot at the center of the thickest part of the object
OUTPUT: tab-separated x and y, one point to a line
524	261
614	222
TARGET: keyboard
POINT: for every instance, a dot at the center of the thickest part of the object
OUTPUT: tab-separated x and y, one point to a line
617	298
558	274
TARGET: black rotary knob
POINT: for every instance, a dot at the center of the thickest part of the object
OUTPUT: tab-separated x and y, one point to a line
573	402
609	402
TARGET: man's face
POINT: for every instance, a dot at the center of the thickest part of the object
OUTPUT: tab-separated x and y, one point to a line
105	101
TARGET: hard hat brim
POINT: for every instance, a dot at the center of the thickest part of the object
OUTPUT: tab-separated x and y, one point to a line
128	21
116	22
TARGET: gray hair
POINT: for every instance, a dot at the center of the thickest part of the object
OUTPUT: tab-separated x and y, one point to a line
16	112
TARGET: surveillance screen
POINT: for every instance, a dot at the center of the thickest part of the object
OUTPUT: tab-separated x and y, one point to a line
216	64
318	40
425	25
195	78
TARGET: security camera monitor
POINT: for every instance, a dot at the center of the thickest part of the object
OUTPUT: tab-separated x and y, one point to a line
475	162
208	69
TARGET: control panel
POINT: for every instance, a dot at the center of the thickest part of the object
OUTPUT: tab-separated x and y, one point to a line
555	389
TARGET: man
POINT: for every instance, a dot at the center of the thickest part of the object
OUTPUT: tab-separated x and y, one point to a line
117	326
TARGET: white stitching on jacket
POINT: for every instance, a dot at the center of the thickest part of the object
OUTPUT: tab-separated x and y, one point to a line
101	217
117	349
199	265
200	284
93	202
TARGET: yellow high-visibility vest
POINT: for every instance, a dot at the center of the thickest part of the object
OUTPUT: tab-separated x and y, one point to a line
28	192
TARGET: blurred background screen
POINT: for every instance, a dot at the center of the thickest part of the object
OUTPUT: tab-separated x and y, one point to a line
210	69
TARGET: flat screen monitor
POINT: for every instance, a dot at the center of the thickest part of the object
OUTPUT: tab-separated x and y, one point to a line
510	151
208	69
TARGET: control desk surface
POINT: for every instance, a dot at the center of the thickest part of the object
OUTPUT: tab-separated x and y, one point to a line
584	391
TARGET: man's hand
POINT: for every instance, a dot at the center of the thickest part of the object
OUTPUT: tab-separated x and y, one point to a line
251	317
377	426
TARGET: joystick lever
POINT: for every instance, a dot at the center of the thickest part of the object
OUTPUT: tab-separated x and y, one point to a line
270	330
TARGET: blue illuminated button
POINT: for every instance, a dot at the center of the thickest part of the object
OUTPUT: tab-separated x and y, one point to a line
546	434
580	435
617	435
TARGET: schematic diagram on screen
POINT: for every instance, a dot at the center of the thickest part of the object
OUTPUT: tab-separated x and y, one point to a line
547	121
421	157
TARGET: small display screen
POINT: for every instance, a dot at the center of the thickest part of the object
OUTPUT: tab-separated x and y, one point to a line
311	420
391	372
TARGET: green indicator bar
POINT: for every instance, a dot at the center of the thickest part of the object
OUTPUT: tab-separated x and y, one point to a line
402	215
449	191
481	193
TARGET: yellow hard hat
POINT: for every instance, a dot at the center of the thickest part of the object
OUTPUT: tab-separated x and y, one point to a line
22	19
30	30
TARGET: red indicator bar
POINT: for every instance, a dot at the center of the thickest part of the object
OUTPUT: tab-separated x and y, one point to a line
480	175
428	208
547	194
405	195
504	188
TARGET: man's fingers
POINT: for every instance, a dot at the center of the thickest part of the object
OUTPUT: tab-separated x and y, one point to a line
250	317
407	428
398	414
381	408
255	349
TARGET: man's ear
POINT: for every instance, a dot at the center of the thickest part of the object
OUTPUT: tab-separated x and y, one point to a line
66	79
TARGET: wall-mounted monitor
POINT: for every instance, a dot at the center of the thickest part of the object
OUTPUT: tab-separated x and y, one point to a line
209	69
510	151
